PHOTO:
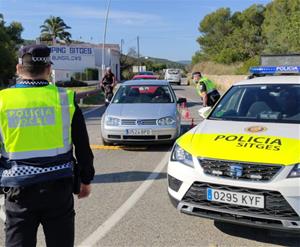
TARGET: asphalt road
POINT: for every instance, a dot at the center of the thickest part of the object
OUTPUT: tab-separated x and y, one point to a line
129	205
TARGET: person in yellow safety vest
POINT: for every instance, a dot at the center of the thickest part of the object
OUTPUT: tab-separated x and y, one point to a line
39	125
206	89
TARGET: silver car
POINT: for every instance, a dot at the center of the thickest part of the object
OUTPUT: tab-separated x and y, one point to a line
141	112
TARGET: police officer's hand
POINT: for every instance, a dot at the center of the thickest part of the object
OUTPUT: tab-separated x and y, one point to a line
85	190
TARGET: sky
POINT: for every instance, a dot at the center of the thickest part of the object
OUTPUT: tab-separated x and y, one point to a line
166	28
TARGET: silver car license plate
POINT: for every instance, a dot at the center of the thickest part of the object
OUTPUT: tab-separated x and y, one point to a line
139	132
237	198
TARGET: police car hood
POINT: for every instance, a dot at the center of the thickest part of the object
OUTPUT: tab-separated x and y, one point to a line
266	143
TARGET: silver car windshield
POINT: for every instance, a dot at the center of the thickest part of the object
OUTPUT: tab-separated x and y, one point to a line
137	94
261	103
173	72
146	73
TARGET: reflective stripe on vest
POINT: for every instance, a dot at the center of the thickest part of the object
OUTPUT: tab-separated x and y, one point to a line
210	86
36	128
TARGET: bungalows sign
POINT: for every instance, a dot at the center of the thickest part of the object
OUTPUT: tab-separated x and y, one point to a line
70	57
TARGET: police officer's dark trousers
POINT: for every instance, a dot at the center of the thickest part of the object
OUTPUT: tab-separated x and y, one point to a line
50	204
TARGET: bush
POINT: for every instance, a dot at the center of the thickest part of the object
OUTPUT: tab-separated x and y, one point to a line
244	70
71	83
91	74
88	74
127	74
77	75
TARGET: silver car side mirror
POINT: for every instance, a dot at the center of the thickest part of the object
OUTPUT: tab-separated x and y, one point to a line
204	111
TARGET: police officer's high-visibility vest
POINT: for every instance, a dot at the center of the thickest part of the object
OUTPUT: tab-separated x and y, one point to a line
210	86
35	122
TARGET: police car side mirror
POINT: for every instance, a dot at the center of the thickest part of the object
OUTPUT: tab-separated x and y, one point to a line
204	111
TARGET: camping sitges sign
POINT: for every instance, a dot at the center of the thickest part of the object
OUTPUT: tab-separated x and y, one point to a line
72	58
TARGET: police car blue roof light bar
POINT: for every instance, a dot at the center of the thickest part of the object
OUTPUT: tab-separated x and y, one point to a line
271	70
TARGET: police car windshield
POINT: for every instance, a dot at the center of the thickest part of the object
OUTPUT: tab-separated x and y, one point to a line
276	103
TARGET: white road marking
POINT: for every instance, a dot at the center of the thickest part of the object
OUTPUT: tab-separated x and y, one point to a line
94	109
2	213
191	100
103	229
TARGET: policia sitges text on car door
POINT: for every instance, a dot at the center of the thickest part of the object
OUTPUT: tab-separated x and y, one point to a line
39	124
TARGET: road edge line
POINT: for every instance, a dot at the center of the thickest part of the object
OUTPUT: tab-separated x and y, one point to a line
94	109
103	229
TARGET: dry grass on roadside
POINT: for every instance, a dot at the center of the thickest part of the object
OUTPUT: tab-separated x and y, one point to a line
223	82
212	68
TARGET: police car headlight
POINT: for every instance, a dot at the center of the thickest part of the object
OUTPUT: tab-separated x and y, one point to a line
166	121
182	156
295	172
112	121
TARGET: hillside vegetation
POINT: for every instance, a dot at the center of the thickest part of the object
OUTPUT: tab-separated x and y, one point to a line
238	38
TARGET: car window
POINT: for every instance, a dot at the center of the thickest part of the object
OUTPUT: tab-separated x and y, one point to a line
263	103
146	73
144	77
143	94
173	72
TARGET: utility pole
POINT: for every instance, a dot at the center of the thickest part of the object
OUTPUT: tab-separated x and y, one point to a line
122	43
104	38
138	52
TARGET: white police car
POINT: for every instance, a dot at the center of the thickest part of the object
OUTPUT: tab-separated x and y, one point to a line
242	163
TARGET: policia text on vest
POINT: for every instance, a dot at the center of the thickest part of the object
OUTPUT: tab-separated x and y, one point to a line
31	117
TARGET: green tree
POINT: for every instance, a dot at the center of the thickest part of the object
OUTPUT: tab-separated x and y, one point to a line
53	28
214	28
228	38
10	39
281	26
198	57
246	40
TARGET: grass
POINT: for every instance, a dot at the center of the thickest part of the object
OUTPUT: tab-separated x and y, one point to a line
82	89
224	82
97	99
211	68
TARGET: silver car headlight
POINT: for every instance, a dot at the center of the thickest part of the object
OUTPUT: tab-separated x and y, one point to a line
295	172
166	121
112	121
182	156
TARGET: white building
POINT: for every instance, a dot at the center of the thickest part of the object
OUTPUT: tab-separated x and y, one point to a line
69	59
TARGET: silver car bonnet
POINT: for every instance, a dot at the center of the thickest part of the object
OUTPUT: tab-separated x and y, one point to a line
141	111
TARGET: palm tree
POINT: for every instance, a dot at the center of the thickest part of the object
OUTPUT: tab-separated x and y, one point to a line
55	27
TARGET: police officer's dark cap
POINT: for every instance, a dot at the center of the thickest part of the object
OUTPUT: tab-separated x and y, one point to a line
196	73
40	54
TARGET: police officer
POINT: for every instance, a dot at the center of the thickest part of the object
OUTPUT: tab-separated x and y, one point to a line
40	124
206	89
